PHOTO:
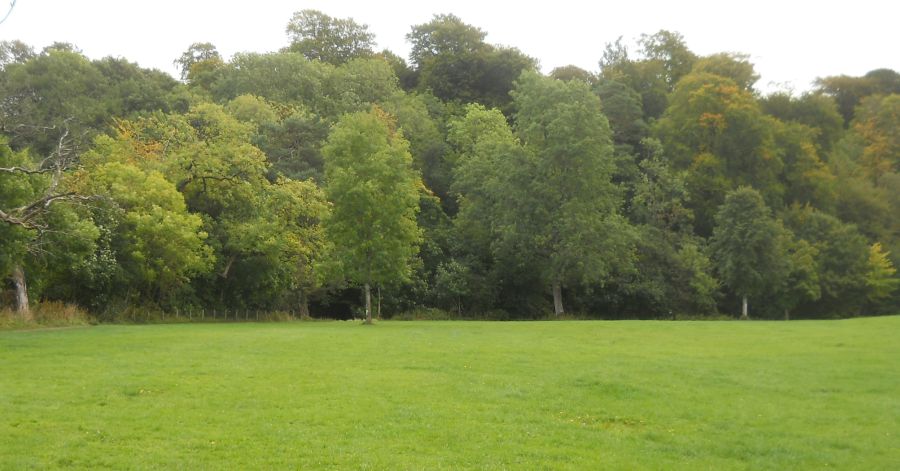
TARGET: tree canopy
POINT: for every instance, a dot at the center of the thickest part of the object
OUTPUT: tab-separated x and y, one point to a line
460	180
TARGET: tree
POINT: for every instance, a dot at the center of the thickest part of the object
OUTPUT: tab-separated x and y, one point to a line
198	58
674	274
29	198
877	123
622	106
718	131
881	278
801	283
455	64
842	260
158	243
14	52
816	111
60	89
263	229
849	91
737	67
560	200
426	141
572	72
746	246
669	49
334	40
375	195
281	77
805	177
443	35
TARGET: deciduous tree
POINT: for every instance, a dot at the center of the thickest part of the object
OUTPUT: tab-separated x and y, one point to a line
746	246
375	194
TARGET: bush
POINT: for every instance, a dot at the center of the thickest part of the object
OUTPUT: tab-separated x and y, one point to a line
47	314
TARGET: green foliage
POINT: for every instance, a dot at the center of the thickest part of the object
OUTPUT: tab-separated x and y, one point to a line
14	52
881	278
801	283
818	112
375	193
848	91
669	49
318	36
158	244
842	262
60	89
551	201
264	234
279	77
323	89
572	72
603	187
746	245
805	178
877	123
622	107
16	190
252	109
737	67
718	131
455	64
196	58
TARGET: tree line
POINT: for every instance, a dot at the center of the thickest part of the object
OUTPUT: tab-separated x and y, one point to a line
332	179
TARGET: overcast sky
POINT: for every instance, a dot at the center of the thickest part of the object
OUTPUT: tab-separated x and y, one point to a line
791	42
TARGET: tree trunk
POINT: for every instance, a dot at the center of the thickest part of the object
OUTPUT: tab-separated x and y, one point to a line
304	305
557	299
368	304
22	305
787	314
378	312
744	315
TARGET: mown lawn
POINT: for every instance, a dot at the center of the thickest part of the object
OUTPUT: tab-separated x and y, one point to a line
454	395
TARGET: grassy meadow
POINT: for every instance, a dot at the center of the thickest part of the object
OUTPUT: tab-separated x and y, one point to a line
454	395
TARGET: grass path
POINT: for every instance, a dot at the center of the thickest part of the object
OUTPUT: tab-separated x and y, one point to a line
454	395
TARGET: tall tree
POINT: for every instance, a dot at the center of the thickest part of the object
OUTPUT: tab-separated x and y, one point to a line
334	40
197	58
669	49
849	91
264	229
735	66
818	112
30	196
375	196
746	246
15	51
455	64
842	260
718	131
562	204
877	123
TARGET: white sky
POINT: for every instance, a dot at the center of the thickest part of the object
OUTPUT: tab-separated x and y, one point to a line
791	42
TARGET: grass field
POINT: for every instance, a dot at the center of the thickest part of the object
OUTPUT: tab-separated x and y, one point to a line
460	395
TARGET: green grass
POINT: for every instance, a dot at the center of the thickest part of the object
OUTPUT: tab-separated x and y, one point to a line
461	395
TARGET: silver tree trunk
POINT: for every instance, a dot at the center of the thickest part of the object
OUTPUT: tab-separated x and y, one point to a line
557	299
22	305
744	315
368	304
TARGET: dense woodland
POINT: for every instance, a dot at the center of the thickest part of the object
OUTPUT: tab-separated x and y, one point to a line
328	176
